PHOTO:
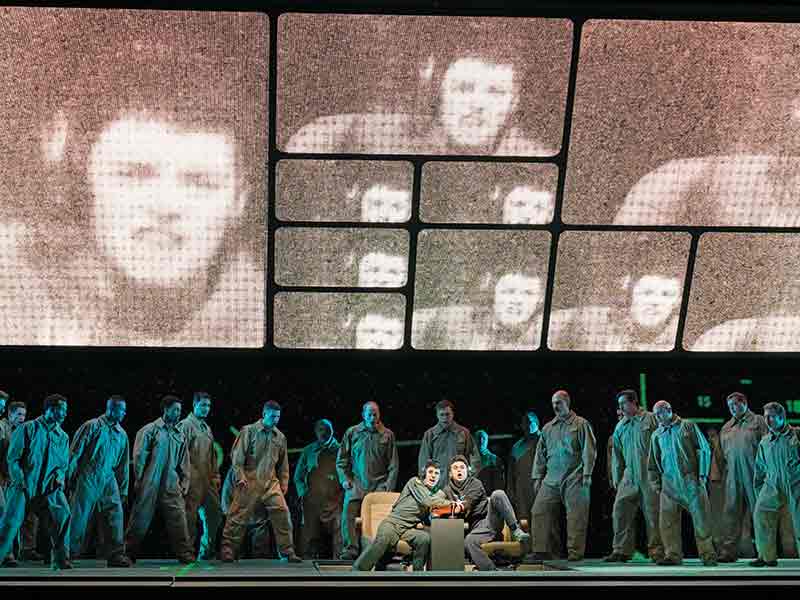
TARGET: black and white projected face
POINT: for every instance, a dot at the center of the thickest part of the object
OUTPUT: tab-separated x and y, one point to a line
744	295
164	197
339	190
479	290
339	321
685	123
141	155
428	85
618	291
513	194
324	257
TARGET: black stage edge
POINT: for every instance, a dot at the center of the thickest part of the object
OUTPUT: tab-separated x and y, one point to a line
257	576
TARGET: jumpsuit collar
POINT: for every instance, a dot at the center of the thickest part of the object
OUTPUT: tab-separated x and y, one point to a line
106	421
568	419
442	428
639	414
676	420
49	426
744	418
201	423
163	424
783	432
378	427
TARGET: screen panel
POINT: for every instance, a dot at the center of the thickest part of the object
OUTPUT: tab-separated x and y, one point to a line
422	85
340	190
341	257
470	192
339	321
744	295
134	166
479	290
618	291
685	123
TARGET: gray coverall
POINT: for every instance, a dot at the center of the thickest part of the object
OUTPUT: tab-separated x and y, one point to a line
414	504
777	485
565	455
368	458
520	487
317	485
38	459
739	440
259	456
630	452
28	533
161	470
204	483
443	443
679	457
98	479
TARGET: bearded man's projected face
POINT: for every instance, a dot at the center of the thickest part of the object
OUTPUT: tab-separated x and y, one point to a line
477	100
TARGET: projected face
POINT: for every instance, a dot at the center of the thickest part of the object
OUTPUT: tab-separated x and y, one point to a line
379	333
163	197
516	298
377	269
483	442
525	205
477	99
385	204
654	298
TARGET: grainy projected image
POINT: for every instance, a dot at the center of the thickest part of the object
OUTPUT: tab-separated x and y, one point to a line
307	256
618	291
422	85
685	123
340	190
339	321
143	174
480	290
745	294
470	192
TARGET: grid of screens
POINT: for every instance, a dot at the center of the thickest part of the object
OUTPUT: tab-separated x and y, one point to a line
135	210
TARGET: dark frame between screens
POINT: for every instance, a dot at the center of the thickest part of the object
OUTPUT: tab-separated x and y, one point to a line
578	11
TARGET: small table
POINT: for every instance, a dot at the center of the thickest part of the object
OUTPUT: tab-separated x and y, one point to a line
447	544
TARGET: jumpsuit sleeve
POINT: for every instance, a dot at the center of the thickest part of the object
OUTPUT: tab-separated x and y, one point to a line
122	469
394	467
540	460
703	452
589	449
283	467
343	467
16	449
237	453
654	463
184	469
424	452
760	472
79	442
423	496
617	458
141	454
300	472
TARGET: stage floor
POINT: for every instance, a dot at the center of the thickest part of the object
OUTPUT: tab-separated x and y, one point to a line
269	573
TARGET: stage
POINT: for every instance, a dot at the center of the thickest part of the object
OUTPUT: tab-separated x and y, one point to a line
255	574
